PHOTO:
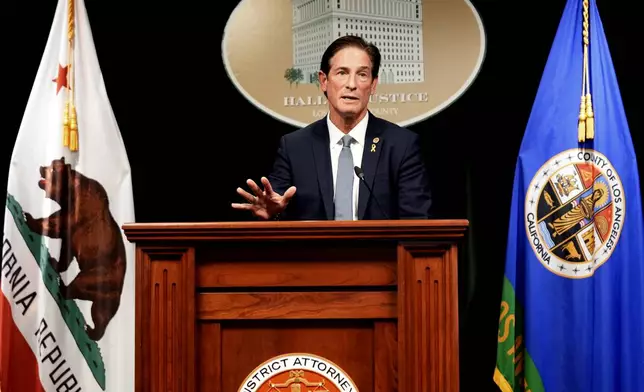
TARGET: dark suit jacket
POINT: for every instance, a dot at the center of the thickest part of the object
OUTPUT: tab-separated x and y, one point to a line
395	172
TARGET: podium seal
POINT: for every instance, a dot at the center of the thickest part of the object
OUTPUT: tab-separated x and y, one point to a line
298	372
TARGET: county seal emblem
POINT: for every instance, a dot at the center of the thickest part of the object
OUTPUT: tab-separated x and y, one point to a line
574	212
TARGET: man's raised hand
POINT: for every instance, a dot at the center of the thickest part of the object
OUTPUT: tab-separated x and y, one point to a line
264	203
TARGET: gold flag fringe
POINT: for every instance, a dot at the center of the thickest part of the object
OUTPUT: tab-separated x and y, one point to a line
70	125
586	124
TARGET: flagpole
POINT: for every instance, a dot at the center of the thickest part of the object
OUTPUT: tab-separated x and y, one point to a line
586	125
70	124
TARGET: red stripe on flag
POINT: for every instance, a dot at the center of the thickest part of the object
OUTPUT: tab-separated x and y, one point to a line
18	364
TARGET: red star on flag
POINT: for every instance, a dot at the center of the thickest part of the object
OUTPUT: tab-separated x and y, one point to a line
61	79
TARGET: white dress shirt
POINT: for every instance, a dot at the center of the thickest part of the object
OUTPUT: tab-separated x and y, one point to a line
357	147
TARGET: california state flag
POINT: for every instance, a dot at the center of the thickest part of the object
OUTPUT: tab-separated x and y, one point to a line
67	304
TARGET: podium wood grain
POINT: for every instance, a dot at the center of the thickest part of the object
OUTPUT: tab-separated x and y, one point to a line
378	298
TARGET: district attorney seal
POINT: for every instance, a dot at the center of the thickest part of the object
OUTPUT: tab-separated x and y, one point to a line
298	372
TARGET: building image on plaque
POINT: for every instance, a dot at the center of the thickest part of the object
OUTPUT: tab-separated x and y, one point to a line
394	26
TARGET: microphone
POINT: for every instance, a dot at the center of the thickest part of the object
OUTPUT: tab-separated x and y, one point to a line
360	175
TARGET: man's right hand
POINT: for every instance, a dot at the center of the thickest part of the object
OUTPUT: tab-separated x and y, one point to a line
265	203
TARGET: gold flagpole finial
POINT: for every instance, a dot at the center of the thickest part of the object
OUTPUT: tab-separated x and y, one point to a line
586	125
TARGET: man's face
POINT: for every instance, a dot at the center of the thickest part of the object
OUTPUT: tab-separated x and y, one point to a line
349	83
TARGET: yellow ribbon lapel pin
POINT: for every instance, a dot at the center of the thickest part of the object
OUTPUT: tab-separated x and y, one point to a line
373	146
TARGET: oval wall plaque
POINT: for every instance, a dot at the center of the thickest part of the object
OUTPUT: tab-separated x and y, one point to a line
431	53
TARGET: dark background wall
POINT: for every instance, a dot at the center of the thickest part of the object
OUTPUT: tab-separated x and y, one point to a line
173	101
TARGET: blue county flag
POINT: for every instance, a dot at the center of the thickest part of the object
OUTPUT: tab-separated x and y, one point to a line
67	303
572	310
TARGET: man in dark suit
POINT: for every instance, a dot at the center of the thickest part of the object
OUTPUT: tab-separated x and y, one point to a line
314	176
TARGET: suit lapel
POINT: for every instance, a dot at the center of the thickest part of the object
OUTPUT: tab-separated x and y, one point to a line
370	157
322	157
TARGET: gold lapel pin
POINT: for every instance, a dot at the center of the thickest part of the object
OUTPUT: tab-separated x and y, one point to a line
373	148
376	139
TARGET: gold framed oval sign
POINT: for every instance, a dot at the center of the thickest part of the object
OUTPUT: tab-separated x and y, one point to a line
431	53
298	372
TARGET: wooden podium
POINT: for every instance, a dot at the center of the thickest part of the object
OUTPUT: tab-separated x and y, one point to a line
377	298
